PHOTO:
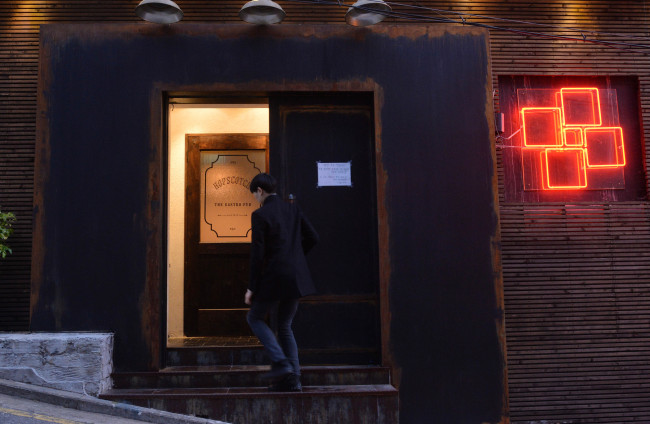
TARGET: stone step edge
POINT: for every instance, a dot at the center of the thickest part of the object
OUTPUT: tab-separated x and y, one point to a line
377	390
253	369
216	347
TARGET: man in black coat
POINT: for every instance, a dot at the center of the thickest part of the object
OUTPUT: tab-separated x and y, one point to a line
281	236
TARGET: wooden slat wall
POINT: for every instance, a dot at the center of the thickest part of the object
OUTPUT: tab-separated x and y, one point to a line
577	311
576	277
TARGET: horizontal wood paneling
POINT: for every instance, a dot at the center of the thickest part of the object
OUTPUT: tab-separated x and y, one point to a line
575	276
577	297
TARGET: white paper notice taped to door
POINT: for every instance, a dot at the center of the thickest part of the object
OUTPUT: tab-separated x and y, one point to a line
334	174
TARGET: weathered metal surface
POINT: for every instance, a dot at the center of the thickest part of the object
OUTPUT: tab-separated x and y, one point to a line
359	404
496	249
103	242
247	376
151	303
383	239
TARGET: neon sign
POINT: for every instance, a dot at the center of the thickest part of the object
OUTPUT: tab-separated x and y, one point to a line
571	139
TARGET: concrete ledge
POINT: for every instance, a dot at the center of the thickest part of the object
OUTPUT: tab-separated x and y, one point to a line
76	362
91	404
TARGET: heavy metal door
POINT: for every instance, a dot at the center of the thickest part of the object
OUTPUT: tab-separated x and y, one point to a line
322	153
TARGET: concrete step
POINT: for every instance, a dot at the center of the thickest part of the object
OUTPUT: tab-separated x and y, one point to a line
254	355
367	404
247	376
216	355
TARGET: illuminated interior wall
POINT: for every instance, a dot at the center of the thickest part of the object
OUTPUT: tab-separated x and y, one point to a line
195	119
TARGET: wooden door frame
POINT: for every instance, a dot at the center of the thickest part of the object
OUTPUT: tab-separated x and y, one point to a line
155	295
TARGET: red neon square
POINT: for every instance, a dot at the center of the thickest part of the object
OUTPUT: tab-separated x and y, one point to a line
604	147
542	127
572	136
565	169
580	107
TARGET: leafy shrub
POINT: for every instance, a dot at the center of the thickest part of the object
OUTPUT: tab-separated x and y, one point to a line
6	221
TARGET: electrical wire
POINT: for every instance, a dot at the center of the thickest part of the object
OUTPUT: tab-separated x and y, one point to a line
501	139
620	45
572	29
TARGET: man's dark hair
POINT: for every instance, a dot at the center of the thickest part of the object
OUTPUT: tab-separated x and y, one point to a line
265	181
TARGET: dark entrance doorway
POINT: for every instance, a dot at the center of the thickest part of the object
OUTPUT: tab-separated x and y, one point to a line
312	136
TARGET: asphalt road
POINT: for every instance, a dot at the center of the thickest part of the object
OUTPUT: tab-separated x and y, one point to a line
15	410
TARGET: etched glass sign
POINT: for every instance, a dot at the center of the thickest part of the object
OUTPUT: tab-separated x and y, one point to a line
226	200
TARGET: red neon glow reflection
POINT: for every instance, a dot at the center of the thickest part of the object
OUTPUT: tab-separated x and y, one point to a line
570	139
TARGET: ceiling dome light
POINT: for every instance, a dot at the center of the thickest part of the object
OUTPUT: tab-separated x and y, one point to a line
159	11
361	13
262	12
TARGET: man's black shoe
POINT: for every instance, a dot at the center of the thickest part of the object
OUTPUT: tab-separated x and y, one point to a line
278	371
290	383
293	381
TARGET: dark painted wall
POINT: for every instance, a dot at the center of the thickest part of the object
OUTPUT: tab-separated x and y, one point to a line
98	212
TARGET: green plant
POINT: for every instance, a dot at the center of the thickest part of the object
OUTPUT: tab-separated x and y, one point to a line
6	221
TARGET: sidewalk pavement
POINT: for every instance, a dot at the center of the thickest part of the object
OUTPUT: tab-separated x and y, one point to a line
57	406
